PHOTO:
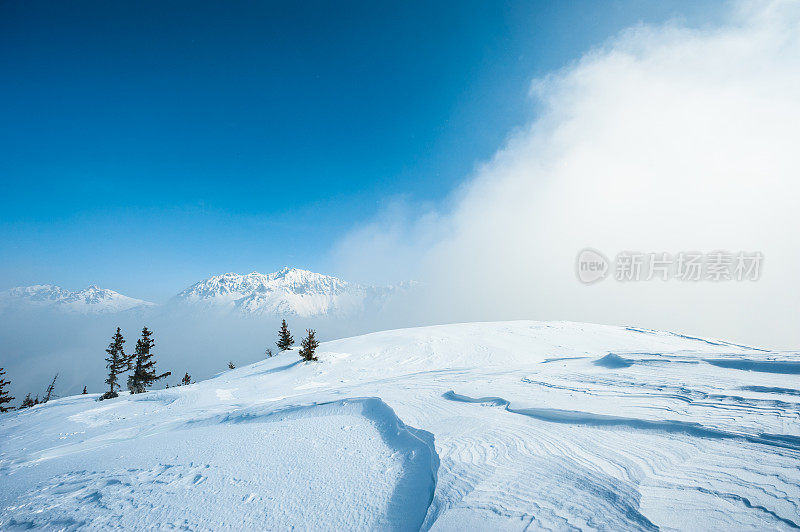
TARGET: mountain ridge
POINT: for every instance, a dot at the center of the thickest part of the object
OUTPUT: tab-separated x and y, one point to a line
286	292
89	300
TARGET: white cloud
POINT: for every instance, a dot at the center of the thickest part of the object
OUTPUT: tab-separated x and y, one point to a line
665	139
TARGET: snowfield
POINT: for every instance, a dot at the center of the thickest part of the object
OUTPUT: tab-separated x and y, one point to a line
478	426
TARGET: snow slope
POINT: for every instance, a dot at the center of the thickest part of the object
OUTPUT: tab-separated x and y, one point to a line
478	426
287	292
90	300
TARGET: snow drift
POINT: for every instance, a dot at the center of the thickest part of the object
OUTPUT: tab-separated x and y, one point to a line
509	425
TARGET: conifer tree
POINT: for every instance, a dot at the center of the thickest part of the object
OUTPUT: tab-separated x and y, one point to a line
144	372
309	345
84	392
4	397
116	363
129	361
27	402
186	380
285	340
48	393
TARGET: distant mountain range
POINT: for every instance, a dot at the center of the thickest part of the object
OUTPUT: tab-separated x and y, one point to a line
91	300
287	292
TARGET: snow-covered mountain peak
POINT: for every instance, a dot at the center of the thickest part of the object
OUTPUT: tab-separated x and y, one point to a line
288	291
90	300
297	279
285	292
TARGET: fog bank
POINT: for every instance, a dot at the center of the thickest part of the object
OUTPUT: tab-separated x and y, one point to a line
665	139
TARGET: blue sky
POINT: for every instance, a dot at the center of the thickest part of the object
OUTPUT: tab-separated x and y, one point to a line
147	145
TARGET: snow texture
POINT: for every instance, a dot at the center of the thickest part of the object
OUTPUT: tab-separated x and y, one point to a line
477	426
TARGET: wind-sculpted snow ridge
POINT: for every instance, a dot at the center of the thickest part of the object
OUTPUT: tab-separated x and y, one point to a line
765	366
347	464
613	361
555	415
476	426
90	300
413	491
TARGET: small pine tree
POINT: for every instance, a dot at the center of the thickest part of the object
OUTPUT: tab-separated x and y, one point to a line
285	340
27	402
309	345
268	353
144	372
231	365
36	400
186	380
4	397
84	392
48	393
116	363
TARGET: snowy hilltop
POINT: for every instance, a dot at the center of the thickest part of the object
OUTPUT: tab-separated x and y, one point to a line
90	300
287	292
475	426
